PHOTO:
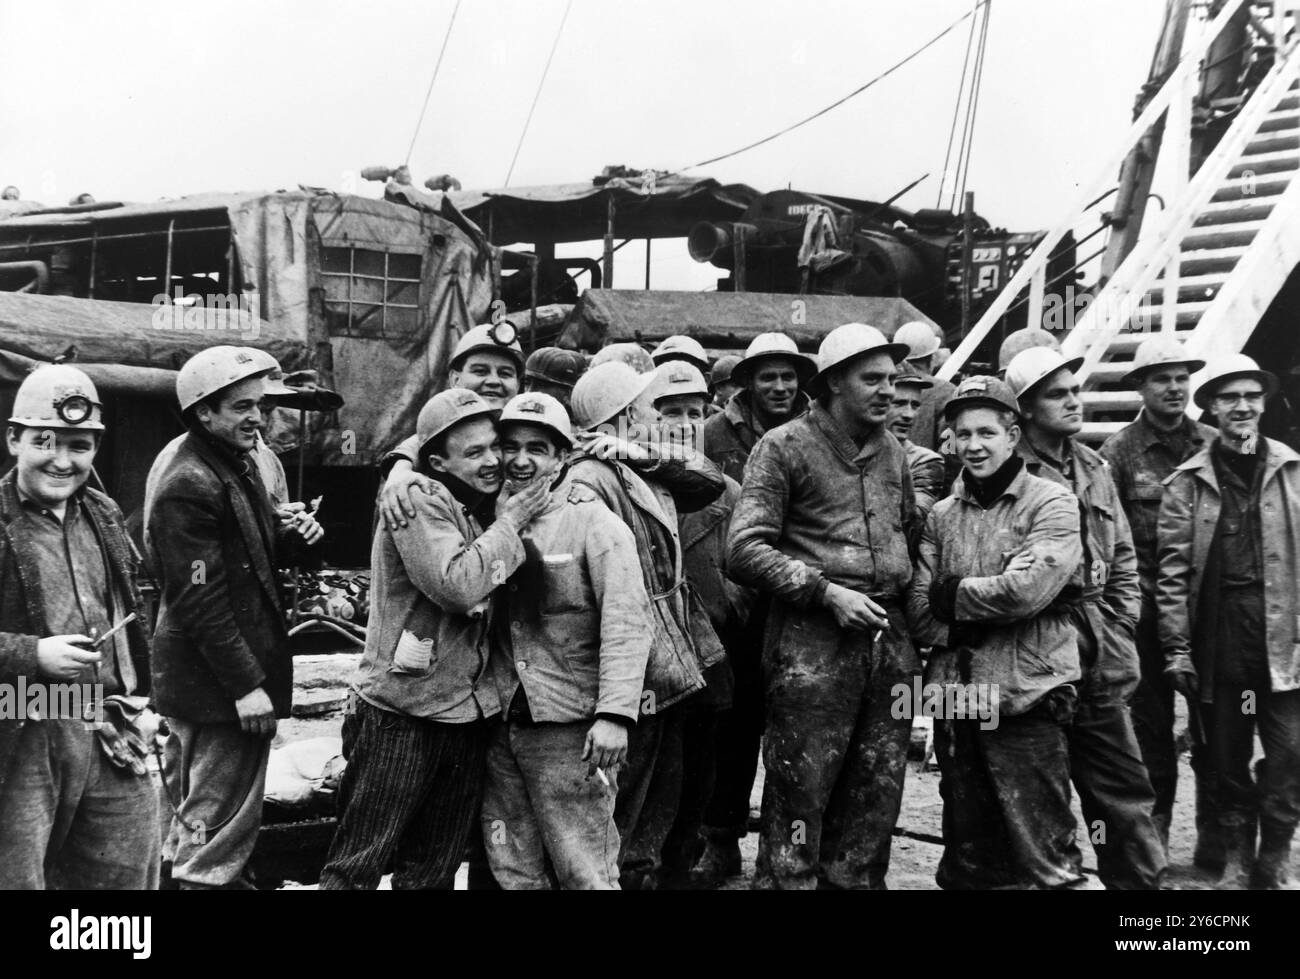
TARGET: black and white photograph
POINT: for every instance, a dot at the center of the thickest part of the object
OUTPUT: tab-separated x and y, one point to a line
489	445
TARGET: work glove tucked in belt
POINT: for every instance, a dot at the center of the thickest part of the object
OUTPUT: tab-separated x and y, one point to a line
121	733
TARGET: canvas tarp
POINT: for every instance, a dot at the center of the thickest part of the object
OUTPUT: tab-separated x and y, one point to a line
724	320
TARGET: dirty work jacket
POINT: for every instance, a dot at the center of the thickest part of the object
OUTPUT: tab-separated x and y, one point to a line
577	614
647	508
1140	463
1189	516
220	633
926	469
1106	577
929	422
816	509
22	607
730	435
1025	645
430	587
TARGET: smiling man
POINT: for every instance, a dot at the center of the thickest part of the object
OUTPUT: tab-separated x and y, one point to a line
1105	761
222	668
1142	455
570	644
821	528
1228	594
71	814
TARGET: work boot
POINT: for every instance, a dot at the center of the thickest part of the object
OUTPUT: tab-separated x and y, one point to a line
1272	864
721	857
1239	839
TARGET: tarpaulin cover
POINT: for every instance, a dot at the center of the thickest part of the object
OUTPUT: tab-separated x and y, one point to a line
667	208
724	320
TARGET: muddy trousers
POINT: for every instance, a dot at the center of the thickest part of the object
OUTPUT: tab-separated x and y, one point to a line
409	797
834	754
545	821
69	820
739	737
1152	712
1007	821
650	788
215	778
699	755
1273	796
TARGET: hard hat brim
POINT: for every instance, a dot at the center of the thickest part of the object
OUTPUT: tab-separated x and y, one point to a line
668	356
1205	393
925	353
743	372
1192	364
957	405
897	352
458	361
1071	365
60	425
643	382
485	411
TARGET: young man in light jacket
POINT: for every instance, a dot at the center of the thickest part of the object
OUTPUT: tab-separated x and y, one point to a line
571	637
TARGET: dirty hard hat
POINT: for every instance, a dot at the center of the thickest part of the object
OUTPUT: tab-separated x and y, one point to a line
215	368
1024	339
58	396
555	365
498	338
1232	368
606	390
1035	365
919	337
1161	351
631	354
847	343
679	378
446	410
909	375
772	346
275	386
681	348
981	391
723	369
535	408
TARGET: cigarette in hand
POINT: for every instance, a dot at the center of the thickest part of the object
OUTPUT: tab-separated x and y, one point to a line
603	777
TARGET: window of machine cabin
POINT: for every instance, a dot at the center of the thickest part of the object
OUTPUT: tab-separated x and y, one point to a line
371	294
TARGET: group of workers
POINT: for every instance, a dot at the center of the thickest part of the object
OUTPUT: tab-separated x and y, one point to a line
600	590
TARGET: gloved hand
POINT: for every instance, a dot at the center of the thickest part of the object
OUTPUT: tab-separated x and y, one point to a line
1182	675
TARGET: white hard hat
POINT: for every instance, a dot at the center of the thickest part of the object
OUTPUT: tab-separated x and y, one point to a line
849	342
919	338
1231	368
768	346
535	408
679	377
1026	339
58	396
632	354
215	368
605	390
448	408
1161	351
275	386
1029	367
681	347
499	338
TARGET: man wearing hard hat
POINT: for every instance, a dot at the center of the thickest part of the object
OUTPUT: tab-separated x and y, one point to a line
570	644
822	528
1142	455
924	344
554	371
77	807
1105	762
926	467
1228	594
993	557
222	668
416	739
723	384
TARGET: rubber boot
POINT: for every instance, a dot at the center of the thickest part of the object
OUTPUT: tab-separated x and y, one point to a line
1272	864
1240	853
721	857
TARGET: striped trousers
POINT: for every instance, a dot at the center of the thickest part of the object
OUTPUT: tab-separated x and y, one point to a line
408	799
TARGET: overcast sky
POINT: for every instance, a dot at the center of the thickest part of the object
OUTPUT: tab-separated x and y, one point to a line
143	99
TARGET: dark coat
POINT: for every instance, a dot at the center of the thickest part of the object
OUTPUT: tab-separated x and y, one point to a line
220	632
22	609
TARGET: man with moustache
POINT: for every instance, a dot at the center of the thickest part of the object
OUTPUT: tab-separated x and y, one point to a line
417	739
993	557
1142	455
1228	592
822	528
1105	762
571	636
222	668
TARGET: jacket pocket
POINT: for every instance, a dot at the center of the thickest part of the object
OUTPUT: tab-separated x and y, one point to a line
413	655
562	585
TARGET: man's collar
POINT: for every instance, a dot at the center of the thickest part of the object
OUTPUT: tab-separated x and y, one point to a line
841	439
1151	434
29	502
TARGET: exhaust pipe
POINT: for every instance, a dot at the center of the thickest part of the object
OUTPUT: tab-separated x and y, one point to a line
715	243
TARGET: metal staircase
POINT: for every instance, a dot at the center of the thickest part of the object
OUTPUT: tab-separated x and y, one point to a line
1207	272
